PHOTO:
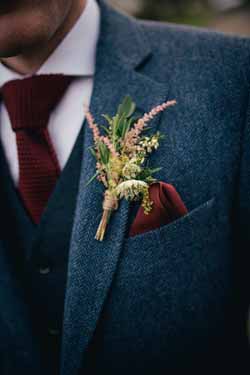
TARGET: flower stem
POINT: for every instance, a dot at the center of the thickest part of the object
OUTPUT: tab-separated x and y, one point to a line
103	225
110	203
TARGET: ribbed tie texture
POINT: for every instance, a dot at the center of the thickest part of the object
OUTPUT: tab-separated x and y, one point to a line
29	103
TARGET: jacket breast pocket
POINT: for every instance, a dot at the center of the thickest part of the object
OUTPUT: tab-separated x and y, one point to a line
183	237
173	283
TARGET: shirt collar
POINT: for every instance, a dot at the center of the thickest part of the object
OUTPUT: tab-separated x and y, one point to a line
75	55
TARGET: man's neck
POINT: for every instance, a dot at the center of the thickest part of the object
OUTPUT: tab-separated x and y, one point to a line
30	61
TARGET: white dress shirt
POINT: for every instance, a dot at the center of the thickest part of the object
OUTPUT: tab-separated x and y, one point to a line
74	56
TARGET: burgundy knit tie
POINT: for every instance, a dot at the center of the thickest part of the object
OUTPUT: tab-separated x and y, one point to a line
29	103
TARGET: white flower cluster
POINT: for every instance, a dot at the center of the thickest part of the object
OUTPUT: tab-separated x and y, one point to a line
150	143
131	189
131	169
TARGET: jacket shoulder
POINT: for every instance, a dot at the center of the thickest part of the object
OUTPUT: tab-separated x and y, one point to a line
172	42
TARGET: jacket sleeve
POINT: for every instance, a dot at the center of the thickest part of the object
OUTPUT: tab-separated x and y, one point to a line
241	255
243	198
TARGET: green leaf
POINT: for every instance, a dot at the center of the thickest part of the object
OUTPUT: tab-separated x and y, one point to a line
104	153
92	179
155	170
126	127
115	122
150	180
93	152
147	128
146	173
115	129
120	126
162	136
107	131
131	110
127	107
108	119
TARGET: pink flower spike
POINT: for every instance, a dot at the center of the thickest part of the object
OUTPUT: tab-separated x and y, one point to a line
133	135
109	145
92	126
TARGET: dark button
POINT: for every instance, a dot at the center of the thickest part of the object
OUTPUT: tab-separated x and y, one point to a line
44	270
54	332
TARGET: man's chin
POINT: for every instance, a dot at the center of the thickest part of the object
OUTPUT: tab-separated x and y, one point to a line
10	51
11	43
10	38
21	31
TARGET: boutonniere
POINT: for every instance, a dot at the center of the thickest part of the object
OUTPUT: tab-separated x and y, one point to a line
121	157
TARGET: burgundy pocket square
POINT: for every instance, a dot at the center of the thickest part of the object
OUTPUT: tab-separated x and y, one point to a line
168	206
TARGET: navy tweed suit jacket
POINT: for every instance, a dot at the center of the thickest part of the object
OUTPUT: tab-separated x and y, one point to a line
174	299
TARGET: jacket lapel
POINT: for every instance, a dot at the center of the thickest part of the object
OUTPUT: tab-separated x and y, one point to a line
92	265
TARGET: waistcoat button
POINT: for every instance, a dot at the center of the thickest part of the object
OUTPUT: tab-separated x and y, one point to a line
44	270
54	332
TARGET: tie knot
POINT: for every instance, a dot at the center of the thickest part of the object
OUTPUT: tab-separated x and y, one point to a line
29	101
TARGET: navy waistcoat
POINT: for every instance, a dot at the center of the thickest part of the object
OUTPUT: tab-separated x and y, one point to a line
39	254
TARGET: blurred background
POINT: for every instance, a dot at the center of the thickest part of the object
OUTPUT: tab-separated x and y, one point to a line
231	16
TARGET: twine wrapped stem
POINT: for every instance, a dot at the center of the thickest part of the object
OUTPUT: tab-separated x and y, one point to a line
110	204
